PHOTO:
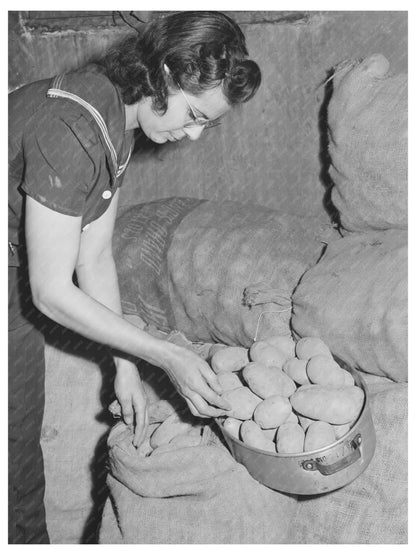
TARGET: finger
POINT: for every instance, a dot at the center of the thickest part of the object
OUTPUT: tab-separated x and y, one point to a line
142	421
193	409
196	412
211	378
127	411
204	410
141	416
214	383
204	407
140	430
211	397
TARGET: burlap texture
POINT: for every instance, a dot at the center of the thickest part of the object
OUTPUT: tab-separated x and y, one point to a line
76	425
74	441
355	299
191	265
200	495
367	117
373	508
193	495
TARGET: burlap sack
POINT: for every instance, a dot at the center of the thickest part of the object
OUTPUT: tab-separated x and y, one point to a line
200	495
355	299
78	389
367	117
219	272
373	508
191	495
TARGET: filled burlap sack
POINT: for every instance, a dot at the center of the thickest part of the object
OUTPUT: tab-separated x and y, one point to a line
355	300
188	495
201	495
218	272
78	390
373	508
367	118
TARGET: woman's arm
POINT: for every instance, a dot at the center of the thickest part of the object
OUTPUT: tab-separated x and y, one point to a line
53	245
97	277
95	267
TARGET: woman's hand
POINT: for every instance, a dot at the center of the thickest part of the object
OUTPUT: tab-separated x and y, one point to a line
132	397
196	382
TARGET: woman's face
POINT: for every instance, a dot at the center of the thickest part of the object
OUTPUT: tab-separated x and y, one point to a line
171	126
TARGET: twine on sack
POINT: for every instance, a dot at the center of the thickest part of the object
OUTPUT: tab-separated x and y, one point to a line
268	312
346	64
262	293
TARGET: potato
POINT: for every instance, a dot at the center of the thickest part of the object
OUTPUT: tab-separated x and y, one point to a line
232	426
265	381
270	433
192	438
243	402
213	349
272	412
318	435
144	448
230	359
292	418
295	368
188	438
290	438
348	377
229	380
263	352
170	428
304	422
336	406
160	410
284	343
358	395
253	436
307	347
341	430
323	370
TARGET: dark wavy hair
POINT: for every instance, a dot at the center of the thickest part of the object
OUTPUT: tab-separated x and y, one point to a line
202	51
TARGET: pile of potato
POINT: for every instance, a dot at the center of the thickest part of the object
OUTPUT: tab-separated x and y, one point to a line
286	396
170	427
176	431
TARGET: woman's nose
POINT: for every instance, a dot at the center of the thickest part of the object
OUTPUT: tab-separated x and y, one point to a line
194	133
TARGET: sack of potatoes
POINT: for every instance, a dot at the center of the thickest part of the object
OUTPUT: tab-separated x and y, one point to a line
286	396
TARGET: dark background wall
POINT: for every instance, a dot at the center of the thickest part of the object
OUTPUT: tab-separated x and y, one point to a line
267	151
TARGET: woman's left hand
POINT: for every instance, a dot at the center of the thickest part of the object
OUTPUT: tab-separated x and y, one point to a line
132	397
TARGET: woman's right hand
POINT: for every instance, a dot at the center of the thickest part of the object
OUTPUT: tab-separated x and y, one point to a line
196	382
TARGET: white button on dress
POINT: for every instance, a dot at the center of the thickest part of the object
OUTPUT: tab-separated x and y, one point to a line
106	194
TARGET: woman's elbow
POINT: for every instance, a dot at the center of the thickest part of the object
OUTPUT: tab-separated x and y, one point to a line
47	299
42	301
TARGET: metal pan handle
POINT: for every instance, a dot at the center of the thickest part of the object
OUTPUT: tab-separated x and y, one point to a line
328	469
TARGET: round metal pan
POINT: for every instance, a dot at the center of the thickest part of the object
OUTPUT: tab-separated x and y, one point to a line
312	472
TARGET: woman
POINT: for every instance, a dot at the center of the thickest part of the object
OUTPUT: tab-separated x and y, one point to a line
70	142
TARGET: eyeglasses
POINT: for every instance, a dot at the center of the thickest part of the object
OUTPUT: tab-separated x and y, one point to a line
197	121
